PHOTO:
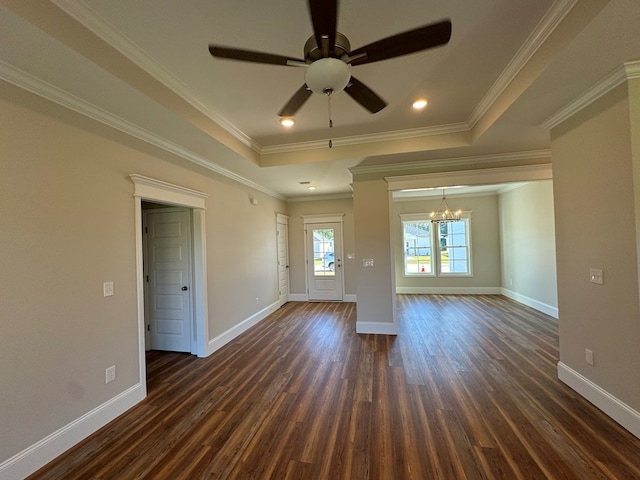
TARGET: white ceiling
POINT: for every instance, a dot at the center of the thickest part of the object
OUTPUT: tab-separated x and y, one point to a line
144	68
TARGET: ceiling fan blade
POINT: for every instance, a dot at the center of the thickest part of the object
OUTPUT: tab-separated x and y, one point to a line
251	56
412	41
324	17
295	102
364	96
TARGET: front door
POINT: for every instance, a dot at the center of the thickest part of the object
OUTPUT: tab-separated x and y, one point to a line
324	261
167	234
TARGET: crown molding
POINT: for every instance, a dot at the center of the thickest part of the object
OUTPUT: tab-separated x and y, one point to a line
314	198
84	14
368	138
61	97
534	41
628	71
486	176
451	162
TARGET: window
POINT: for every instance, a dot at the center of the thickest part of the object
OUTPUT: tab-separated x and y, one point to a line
441	249
417	248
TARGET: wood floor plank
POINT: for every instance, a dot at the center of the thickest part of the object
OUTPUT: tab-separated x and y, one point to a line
467	390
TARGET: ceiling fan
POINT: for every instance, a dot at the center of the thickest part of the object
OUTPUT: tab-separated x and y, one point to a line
328	57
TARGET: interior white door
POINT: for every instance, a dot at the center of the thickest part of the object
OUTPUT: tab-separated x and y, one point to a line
282	230
168	278
324	261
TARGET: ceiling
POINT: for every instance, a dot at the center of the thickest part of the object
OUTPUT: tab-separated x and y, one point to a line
144	68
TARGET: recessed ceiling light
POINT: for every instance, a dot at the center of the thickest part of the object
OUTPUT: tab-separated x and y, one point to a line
311	187
420	103
287	122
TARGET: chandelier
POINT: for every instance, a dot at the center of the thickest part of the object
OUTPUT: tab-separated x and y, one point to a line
444	214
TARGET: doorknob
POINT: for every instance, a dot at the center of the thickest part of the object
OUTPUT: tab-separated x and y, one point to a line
185	288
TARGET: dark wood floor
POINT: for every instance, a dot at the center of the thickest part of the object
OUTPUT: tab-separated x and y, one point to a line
467	390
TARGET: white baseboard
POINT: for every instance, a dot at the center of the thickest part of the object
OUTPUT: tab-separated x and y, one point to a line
616	409
303	297
448	290
39	454
225	337
376	328
531	302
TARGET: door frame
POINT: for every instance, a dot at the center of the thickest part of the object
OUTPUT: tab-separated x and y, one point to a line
157	191
308	220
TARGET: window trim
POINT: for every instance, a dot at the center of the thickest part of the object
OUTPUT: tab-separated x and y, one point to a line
435	247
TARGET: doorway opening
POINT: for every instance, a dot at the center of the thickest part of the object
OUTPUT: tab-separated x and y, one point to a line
168	195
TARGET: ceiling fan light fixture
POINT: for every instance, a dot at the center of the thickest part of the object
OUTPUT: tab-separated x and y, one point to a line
327	75
420	103
287	122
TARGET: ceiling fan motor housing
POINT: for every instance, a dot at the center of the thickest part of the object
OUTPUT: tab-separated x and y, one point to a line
327	75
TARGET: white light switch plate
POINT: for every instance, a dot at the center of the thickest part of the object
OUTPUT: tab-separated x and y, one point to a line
107	289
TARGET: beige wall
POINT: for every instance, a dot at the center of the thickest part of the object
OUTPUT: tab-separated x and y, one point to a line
296	240
485	244
527	238
67	216
375	286
595	221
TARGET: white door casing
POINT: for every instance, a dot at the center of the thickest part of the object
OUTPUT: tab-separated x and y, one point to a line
153	190
323	251
168	278
282	232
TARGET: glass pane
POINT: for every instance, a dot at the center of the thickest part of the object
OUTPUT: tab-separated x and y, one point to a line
454	248
323	252
417	248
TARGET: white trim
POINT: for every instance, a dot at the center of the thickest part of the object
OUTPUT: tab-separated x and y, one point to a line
612	406
452	162
152	189
376	328
226	337
39	454
323	218
157	190
39	87
200	288
534	41
101	28
530	302
281	218
448	290
627	71
303	297
368	138
484	176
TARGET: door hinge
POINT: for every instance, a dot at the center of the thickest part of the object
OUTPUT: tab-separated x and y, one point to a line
148	327
146	230
147	278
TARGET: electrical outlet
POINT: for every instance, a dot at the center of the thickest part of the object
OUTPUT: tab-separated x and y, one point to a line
257	300
595	276
110	374
588	356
